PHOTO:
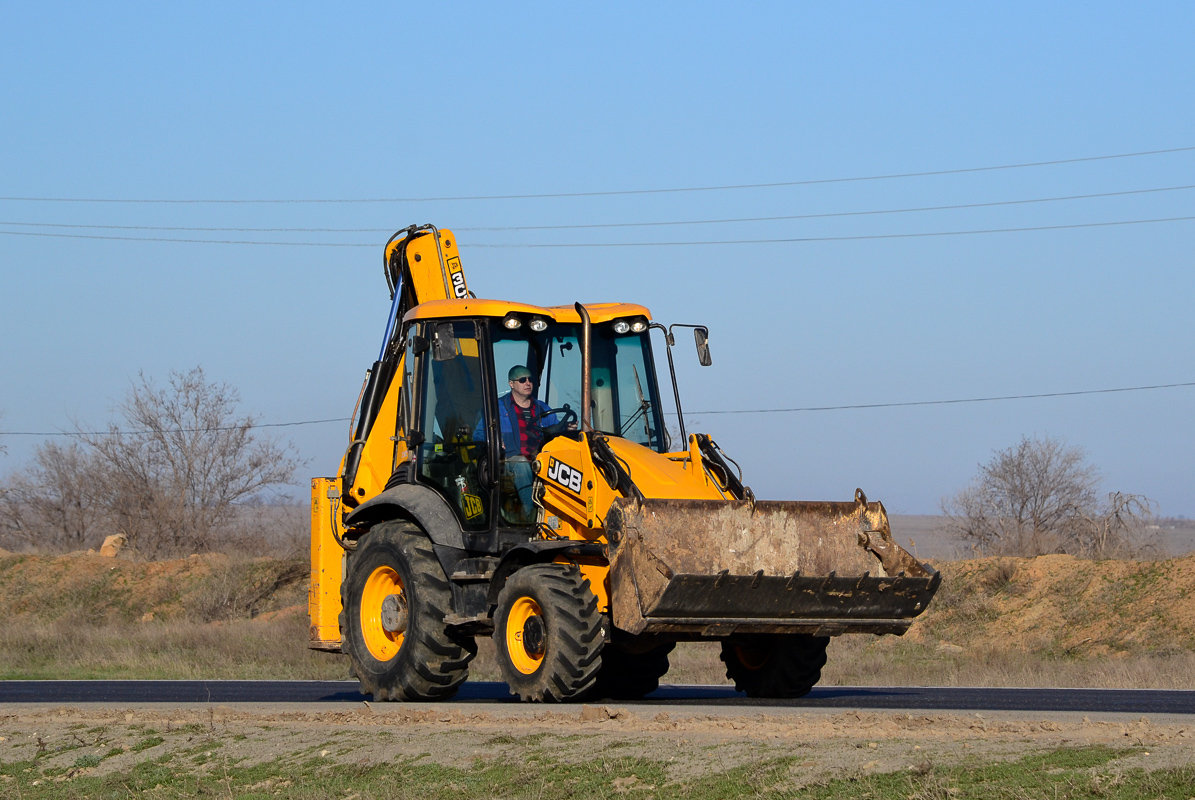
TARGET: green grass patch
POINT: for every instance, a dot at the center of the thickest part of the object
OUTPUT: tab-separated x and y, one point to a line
1063	774
146	743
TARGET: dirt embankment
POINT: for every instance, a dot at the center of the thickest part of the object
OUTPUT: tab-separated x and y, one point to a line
1048	621
1064	605
92	589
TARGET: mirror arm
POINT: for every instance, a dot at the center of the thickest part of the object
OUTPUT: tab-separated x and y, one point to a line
668	342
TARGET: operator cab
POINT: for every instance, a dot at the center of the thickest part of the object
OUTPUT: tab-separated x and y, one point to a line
471	452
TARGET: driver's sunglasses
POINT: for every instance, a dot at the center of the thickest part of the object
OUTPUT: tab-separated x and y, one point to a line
522	380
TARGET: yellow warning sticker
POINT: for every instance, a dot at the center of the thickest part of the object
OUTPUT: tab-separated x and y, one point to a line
457	276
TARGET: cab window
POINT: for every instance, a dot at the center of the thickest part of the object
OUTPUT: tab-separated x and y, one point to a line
453	400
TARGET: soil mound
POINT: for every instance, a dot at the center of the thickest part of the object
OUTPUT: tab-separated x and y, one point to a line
89	588
1064	605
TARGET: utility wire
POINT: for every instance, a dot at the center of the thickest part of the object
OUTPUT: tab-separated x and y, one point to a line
690	413
532	245
176	430
180	241
551	195
864	237
600	225
824	215
946	402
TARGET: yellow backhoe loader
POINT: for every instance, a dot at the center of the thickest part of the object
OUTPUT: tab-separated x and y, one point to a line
510	474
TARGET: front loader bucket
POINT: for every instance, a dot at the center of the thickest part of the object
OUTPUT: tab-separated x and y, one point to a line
711	568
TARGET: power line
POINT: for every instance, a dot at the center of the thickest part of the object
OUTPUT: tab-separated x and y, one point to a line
601	225
864	237
690	413
825	215
179	241
532	245
245	230
948	402
611	193
176	430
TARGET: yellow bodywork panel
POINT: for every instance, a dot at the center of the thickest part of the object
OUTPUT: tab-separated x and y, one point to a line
383	450
327	559
480	307
581	513
435	266
659	475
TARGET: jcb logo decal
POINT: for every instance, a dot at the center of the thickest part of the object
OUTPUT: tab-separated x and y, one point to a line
472	506
564	475
458	278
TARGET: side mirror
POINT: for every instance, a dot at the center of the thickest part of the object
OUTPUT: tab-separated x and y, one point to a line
444	347
702	336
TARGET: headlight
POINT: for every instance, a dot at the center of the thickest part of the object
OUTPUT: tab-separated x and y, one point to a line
638	326
538	325
512	323
621	326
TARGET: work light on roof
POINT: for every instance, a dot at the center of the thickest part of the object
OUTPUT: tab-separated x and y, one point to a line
638	326
537	324
621	326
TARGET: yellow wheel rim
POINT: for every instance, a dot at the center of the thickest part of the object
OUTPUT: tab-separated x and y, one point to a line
383	644
525	656
752	658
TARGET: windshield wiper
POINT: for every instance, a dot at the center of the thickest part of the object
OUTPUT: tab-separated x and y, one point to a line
644	407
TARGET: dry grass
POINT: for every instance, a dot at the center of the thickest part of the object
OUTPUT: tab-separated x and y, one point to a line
261	649
1051	621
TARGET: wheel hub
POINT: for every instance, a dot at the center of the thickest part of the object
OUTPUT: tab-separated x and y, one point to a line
753	658
526	635
394	613
533	636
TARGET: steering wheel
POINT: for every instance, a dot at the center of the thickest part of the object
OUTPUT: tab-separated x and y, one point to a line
569	418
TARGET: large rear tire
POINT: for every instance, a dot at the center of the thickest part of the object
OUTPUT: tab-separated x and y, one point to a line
775	665
629	672
395	598
549	633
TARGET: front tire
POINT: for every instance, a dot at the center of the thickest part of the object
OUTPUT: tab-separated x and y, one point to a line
775	665
629	672
549	633
395	599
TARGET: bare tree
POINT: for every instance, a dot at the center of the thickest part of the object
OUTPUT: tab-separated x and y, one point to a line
52	503
169	476
1041	496
173	475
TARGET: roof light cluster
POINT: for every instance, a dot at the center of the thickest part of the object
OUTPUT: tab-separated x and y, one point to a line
513	322
635	324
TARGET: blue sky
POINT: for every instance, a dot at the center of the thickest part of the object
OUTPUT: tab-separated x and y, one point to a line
313	101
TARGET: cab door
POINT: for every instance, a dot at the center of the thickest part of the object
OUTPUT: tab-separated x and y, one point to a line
451	420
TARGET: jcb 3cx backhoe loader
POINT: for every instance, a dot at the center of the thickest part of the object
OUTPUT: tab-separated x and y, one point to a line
573	530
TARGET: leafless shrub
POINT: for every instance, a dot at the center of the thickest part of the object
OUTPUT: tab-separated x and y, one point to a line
52	503
240	588
1002	573
1041	496
169	476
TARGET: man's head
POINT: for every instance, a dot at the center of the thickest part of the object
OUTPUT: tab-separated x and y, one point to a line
521	385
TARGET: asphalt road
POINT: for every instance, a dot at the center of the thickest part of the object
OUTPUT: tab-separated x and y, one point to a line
1136	701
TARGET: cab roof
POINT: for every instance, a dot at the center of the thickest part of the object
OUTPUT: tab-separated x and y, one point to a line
478	307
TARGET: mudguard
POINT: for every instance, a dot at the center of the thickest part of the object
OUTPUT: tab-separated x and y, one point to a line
421	505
